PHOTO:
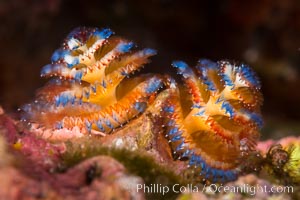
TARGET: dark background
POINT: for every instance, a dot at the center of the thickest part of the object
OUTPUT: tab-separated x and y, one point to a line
262	33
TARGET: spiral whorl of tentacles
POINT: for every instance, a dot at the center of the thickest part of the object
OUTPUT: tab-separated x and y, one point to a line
219	122
87	72
212	130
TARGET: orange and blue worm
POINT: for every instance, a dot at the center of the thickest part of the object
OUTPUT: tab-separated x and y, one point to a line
90	88
225	101
87	72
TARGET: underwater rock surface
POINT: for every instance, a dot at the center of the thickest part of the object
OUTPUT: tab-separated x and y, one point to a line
108	167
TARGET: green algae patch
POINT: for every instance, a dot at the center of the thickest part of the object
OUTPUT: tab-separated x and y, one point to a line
136	162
